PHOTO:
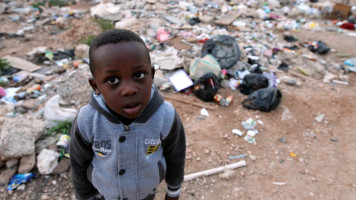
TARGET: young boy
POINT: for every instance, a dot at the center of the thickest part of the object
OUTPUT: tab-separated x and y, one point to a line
128	139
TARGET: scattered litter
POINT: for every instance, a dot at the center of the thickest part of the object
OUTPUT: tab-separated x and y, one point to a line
340	82
279	183
250	136
238	156
265	99
224	48
18	179
237	132
249	124
292	154
283	140
208	172
206	87
320	118
204	112
180	80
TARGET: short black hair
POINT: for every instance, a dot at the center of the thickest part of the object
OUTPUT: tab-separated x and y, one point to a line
112	37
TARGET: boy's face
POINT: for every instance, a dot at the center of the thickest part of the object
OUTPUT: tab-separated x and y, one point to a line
123	76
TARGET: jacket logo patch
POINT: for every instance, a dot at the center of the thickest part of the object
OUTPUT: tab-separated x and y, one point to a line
102	148
153	145
151	149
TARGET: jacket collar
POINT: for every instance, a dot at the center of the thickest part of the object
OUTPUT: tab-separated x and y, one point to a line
98	103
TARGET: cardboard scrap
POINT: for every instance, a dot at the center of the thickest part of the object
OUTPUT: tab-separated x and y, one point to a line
22	64
341	9
228	18
178	44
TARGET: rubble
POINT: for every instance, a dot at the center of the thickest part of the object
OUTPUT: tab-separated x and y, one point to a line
24	130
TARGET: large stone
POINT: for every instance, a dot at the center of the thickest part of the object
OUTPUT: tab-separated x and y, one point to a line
6	175
18	136
47	161
27	163
82	51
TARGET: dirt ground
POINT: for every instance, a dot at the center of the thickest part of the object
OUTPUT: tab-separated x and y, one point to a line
325	161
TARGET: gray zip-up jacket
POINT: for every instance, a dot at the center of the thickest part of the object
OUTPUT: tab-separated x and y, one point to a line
126	162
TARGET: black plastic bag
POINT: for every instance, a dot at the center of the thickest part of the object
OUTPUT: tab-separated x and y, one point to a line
206	87
253	82
320	47
265	99
224	48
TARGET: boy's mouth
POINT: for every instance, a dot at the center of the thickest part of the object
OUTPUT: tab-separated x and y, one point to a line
132	109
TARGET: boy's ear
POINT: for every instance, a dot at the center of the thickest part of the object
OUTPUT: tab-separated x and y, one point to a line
94	85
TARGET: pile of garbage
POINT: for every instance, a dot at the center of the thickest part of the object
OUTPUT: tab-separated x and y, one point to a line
196	47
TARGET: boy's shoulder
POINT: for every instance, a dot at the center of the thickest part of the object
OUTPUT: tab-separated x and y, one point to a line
86	112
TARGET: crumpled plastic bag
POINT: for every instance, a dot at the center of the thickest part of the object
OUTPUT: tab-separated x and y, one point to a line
265	99
319	47
53	112
253	82
199	67
224	48
206	87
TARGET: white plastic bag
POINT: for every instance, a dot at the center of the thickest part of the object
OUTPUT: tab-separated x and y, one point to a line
53	112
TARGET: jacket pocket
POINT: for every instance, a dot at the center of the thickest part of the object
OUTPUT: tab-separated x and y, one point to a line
161	171
90	172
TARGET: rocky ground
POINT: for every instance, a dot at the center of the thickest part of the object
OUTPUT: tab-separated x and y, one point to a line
304	149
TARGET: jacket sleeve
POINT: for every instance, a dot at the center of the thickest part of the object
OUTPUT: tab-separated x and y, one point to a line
81	155
174	152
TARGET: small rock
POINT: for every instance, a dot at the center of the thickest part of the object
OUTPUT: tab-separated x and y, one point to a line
27	163
283	140
12	163
207	151
30	104
227	174
21	187
252	157
6	175
62	166
45	197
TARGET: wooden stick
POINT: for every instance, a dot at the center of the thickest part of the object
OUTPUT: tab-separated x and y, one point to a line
208	172
191	103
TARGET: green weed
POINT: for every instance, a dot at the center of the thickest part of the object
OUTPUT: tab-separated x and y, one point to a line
59	3
62	127
87	40
104	24
4	65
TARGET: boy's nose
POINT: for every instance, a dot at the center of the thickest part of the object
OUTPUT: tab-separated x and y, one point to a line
128	89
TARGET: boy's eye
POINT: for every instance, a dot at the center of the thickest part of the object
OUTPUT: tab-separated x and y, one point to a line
139	75
113	80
